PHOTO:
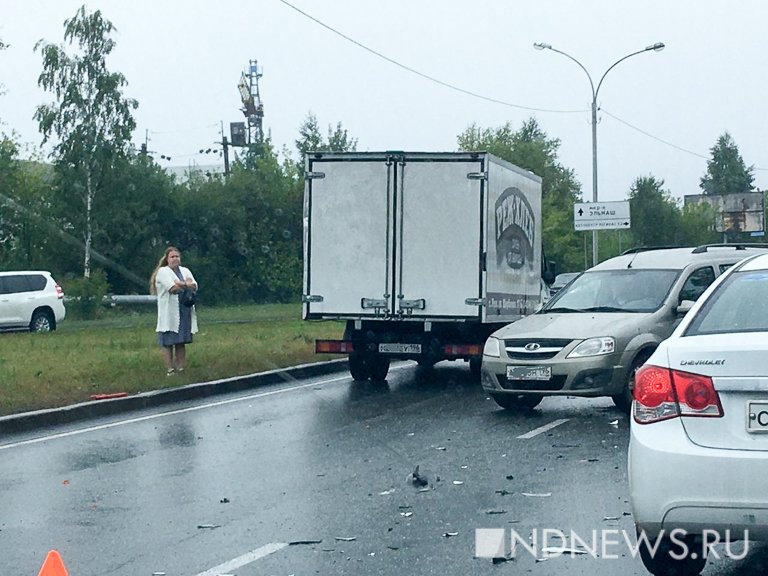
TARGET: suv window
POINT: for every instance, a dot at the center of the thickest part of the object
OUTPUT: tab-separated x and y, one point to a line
36	282
13	284
696	283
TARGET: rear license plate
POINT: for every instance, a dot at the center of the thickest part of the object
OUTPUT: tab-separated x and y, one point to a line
757	417
390	348
529	373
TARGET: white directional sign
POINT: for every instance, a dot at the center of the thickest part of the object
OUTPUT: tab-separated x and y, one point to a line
601	215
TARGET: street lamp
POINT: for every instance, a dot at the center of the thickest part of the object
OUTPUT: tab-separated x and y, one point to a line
657	47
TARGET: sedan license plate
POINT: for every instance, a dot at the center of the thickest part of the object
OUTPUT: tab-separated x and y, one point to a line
757	417
529	372
390	348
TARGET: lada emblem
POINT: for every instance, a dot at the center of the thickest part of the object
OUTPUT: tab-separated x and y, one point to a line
532	346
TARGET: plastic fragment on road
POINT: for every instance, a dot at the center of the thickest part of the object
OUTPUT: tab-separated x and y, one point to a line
224	501
346	538
537	495
450	534
53	565
208	526
503	492
387	492
496	511
406	514
108	396
416	478
458	482
302	542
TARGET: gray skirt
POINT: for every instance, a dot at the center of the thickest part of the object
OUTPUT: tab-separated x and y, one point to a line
184	335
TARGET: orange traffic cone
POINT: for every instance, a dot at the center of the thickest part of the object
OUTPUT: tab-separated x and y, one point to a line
53	565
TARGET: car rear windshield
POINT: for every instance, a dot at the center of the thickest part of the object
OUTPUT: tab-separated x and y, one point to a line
737	305
616	291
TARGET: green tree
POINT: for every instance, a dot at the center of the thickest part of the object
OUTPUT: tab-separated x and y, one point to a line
310	139
91	119
529	147
656	219
726	171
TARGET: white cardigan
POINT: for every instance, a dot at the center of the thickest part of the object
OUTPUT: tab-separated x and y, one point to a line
167	303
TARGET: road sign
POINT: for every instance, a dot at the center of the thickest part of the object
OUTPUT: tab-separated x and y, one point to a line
601	215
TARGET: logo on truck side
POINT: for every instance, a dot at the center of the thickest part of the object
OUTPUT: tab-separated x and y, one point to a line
515	229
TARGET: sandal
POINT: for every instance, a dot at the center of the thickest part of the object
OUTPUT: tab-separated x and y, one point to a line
170	372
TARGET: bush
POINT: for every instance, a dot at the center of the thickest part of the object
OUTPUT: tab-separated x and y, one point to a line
86	295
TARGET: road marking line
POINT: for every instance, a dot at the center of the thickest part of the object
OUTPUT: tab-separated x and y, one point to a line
536	431
240	561
169	413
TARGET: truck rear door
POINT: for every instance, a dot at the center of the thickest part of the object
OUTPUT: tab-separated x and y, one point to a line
347	248
438	237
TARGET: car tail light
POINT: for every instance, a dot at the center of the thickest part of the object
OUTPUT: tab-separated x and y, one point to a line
59	292
661	393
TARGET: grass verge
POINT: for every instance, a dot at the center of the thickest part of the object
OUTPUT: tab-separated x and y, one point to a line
119	353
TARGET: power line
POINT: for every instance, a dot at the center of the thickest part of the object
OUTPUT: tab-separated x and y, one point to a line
426	76
486	98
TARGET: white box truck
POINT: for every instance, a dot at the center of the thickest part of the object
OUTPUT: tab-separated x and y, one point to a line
422	254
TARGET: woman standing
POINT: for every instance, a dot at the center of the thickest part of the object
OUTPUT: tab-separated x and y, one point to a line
175	322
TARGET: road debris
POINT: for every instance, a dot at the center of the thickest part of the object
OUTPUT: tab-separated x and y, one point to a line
458	482
303	542
406	514
450	534
224	501
495	511
387	492
503	492
345	538
208	526
416	478
537	495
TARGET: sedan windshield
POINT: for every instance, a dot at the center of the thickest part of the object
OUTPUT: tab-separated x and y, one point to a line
738	305
615	291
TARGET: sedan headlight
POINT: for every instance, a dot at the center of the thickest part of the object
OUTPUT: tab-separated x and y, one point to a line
492	347
594	347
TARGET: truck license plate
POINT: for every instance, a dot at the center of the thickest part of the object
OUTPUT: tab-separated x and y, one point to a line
529	372
757	417
390	348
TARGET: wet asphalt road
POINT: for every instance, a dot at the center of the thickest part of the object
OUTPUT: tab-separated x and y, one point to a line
310	477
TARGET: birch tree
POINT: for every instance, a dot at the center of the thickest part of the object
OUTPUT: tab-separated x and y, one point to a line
91	120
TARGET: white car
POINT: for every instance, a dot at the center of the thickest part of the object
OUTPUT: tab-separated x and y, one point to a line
30	300
698	450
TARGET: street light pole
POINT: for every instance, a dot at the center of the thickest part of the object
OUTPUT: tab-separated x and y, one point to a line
658	46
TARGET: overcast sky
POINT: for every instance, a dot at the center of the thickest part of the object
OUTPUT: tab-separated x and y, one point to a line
662	111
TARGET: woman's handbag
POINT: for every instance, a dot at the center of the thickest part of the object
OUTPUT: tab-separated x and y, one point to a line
188	297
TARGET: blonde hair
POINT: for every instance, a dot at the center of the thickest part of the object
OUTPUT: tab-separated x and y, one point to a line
162	262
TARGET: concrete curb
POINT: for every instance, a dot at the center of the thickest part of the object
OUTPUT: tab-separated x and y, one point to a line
26	421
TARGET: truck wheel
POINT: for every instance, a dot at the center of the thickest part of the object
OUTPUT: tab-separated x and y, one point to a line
474	366
378	367
517	401
358	368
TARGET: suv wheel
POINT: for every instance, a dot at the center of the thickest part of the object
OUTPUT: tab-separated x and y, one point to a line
42	321
517	401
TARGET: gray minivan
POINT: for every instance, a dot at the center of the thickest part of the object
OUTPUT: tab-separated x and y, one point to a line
590	337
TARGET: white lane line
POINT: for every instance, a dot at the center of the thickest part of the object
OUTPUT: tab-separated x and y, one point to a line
169	413
240	561
540	429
